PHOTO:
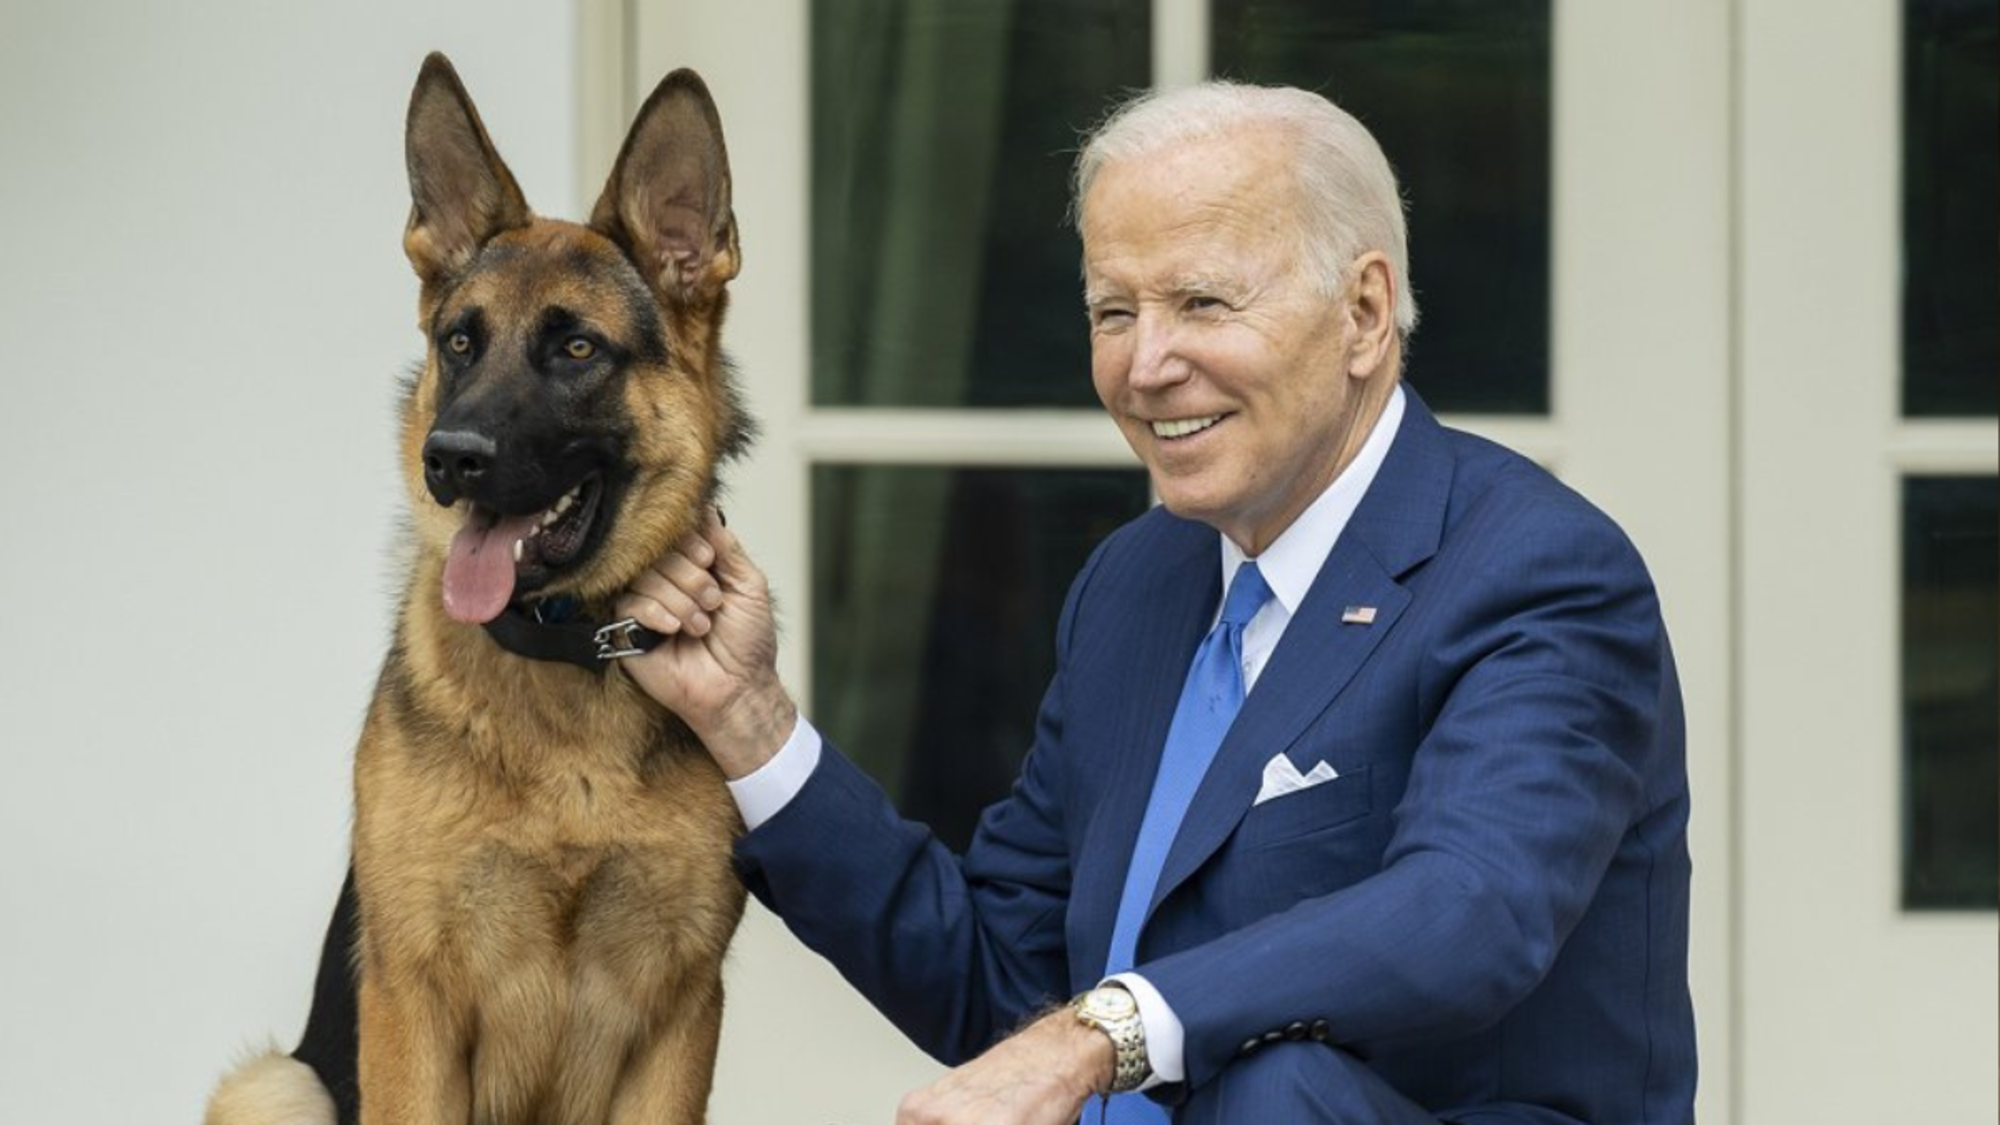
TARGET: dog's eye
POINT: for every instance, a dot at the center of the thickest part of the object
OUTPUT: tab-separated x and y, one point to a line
459	343
580	348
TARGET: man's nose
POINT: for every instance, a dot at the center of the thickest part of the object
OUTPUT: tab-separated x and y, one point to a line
1157	360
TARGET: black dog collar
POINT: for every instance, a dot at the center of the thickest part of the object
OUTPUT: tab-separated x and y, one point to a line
555	630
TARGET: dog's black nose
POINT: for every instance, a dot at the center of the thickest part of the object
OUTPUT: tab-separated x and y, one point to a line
454	461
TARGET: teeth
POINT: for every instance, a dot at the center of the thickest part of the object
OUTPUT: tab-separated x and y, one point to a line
548	520
556	511
1184	426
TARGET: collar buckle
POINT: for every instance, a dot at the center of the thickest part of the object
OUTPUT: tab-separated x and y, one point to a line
616	641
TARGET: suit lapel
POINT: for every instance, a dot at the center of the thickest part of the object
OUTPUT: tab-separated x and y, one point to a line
1397	526
1167	608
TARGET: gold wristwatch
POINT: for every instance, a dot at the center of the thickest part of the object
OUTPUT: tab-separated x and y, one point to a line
1112	1010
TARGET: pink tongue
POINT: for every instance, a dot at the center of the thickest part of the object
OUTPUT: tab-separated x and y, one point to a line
479	570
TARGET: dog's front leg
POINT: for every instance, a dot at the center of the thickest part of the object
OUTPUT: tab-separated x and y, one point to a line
412	1061
668	1080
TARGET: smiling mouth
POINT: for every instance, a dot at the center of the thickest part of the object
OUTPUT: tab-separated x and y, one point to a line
1183	427
492	554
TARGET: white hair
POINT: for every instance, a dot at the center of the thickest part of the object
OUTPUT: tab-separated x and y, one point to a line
1351	204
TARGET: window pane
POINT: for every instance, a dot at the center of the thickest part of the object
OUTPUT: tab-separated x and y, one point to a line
944	273
935	597
1457	91
1951	236
1951	708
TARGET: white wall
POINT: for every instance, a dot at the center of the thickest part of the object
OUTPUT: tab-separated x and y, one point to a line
204	310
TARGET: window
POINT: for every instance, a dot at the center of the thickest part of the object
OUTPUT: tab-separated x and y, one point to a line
943	272
1951	178
1951	682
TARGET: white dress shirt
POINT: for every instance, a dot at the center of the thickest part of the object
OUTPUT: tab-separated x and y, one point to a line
1289	566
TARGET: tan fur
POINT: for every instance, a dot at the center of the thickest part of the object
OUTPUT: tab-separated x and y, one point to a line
547	889
270	1088
542	855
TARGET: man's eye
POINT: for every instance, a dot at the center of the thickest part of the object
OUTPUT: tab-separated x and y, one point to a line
1110	318
1205	304
458	343
580	348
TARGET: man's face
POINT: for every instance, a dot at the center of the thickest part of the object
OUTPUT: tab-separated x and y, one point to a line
1213	348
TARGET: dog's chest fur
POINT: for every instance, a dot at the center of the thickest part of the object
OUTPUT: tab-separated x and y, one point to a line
550	879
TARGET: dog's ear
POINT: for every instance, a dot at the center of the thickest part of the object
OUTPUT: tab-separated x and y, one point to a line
461	193
667	202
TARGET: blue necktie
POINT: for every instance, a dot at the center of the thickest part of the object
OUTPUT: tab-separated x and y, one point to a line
1209	701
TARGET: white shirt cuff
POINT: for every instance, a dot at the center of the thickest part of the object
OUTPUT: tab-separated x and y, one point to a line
1165	1038
760	795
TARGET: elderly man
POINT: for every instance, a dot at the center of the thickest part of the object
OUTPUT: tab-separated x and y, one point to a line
1359	794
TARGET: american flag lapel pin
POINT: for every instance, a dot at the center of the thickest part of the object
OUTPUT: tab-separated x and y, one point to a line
1358	615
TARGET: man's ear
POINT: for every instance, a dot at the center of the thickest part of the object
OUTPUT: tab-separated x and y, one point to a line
667	202
1370	309
461	193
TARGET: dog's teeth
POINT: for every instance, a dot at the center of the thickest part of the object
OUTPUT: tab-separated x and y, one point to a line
563	504
518	549
551	516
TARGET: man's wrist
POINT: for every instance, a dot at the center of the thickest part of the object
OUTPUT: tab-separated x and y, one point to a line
764	793
1095	1058
751	730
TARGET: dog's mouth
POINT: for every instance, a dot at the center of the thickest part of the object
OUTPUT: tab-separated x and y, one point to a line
495	556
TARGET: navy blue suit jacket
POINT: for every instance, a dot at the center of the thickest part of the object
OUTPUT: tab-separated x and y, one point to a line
1488	906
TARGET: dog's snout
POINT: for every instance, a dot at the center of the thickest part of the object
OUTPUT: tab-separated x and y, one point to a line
454	461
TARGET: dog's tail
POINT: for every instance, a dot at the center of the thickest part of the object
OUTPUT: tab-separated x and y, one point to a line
271	1089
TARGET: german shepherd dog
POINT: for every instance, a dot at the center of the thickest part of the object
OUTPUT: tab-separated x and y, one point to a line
542	854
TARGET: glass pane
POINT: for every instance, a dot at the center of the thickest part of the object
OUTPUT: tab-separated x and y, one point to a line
1951	707
1457	92
935	597
943	272
1951	235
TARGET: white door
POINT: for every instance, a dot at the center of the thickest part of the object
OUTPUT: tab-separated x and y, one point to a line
1866	978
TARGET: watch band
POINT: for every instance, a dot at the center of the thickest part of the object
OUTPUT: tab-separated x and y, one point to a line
1112	1010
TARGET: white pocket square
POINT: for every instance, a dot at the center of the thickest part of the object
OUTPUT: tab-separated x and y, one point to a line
1282	777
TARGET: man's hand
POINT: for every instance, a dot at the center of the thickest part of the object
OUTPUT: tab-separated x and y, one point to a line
1042	1075
717	669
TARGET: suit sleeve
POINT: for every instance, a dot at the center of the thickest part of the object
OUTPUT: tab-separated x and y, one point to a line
955	951
1548	675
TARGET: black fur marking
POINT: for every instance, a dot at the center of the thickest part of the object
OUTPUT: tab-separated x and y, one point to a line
398	699
643	312
332	1035
739	428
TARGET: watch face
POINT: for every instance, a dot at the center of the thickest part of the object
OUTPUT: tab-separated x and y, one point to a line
1109	1004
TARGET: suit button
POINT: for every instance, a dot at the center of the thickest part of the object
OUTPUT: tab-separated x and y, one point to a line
1249	1047
1321	1032
1295	1031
